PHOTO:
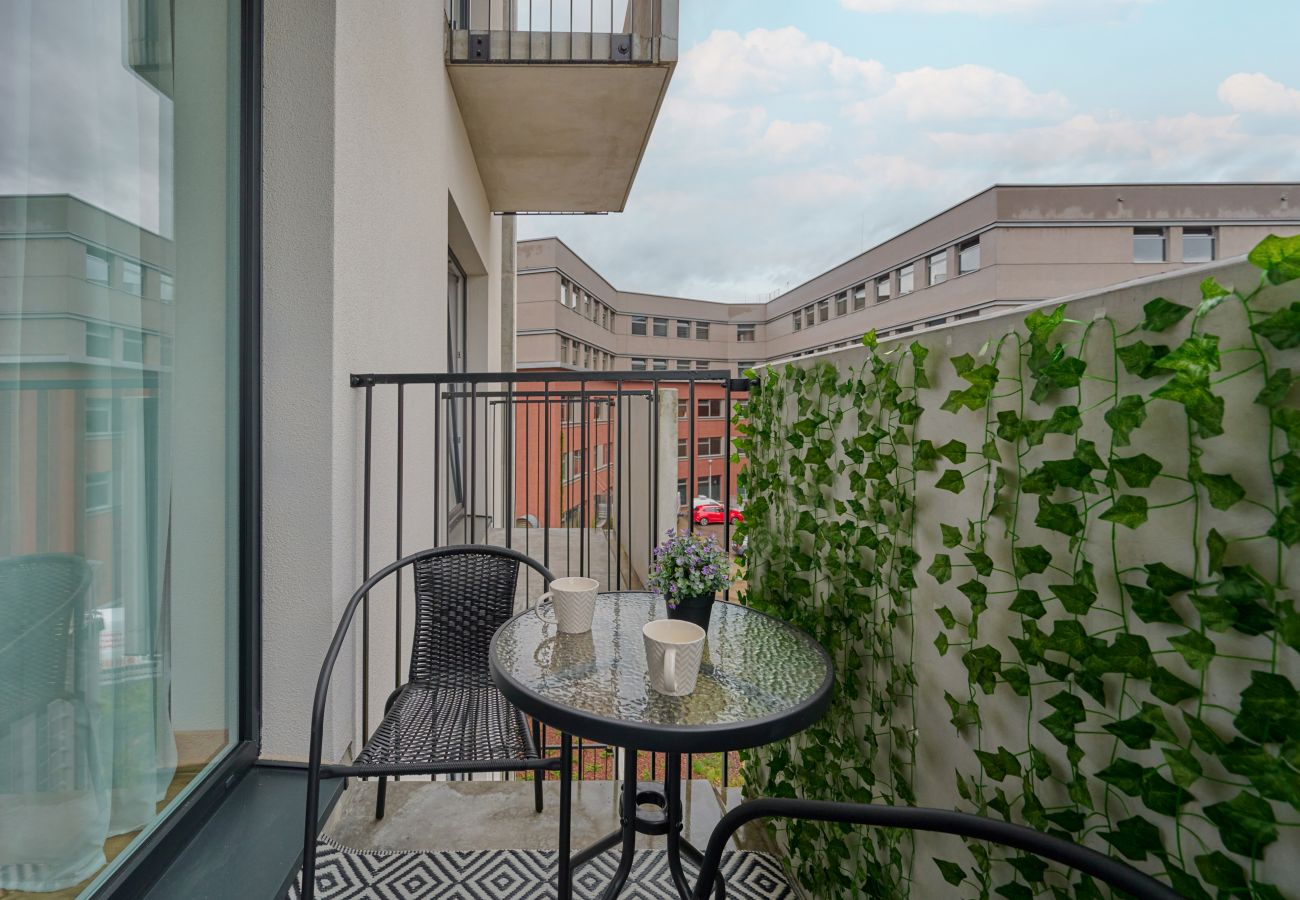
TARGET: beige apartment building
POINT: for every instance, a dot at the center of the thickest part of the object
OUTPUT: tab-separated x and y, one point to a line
1006	246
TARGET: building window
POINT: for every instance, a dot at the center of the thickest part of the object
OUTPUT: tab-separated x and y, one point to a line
97	265
602	507
681	491
809	316
682	407
709	446
797	319
1148	245
745	334
683	328
743	367
661	327
708	409
602	410
564	292
938	266
906	279
683	365
132	278
166	288
969	314
99	491
586	305
99	341
841	303
638	324
564	351
709	486
702	365
99	416
1198	244
935	323
683	447
661	365
701	331
823	310
882	288
638	364
968	256
860	298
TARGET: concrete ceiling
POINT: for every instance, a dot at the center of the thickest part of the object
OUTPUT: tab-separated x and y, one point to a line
558	137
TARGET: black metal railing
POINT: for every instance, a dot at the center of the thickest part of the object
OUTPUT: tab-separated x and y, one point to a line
572	468
551	31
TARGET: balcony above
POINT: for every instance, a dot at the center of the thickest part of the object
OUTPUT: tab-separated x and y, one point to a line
559	96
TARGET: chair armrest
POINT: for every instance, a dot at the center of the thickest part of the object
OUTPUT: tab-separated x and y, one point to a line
918	818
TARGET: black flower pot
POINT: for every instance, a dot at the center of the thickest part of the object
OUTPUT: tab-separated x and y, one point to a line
694	609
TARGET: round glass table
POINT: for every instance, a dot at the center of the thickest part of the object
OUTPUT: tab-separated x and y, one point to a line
760	681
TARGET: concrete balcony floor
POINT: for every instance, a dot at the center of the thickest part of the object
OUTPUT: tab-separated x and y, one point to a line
498	815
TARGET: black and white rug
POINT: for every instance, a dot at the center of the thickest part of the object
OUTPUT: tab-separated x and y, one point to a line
344	874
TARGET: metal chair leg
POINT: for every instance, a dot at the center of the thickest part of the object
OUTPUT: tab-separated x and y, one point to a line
381	797
564	889
538	774
310	834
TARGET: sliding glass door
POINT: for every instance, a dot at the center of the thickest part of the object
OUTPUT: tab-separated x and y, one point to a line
120	381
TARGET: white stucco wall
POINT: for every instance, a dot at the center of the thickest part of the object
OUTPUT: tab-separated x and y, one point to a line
366	162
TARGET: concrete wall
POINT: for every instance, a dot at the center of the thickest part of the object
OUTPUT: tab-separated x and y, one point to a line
369	178
1166	537
640	459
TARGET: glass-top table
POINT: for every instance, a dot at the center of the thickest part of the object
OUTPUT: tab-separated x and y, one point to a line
760	681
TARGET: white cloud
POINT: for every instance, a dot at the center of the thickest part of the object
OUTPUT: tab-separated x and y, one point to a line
784	139
728	64
1255	92
985	7
959	93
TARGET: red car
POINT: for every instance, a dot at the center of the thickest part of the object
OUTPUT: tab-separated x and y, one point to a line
712	514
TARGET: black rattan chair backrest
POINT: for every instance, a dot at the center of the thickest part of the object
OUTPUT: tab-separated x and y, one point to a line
40	597
462	596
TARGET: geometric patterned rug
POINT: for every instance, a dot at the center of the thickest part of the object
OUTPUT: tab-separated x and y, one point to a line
345	874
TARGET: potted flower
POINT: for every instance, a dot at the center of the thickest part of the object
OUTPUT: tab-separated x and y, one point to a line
687	570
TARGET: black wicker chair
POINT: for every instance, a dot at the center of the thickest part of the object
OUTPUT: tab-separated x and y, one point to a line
44	626
448	718
1114	872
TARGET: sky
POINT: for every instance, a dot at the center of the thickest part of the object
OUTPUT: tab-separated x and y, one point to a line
794	135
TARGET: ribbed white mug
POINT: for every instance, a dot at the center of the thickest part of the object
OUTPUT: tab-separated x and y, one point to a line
574	600
673	651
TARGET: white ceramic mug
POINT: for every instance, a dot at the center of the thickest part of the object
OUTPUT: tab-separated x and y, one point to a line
673	650
574	600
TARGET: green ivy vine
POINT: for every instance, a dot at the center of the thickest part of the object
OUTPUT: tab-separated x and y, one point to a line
1105	516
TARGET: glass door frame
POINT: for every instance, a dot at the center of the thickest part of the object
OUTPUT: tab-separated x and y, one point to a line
131	876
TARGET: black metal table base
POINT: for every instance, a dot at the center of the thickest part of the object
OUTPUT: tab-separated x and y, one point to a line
664	816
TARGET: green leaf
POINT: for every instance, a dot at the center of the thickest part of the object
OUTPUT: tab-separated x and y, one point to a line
1161	314
1217	614
1221	872
1168	687
1128	510
1223	489
1161	795
1286	527
983	665
1059	517
1031	868
1125	417
990	451
1166	580
1246	824
1195	647
869	339
1135	732
982	562
951	480
1129	654
1134	837
952	873
954	451
1139	358
951	535
1076	598
977	593
1269	710
1137	471
1018	679
1279	257
1027	603
1276	388
1203	735
1030	560
1197	356
1125	775
941	569
941	643
1000	764
1152	606
1184	767
1203	407
1218	548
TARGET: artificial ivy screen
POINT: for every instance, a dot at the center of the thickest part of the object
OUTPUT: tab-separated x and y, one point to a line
1112	617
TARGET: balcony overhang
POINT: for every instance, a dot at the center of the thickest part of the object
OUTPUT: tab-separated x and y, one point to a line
559	137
